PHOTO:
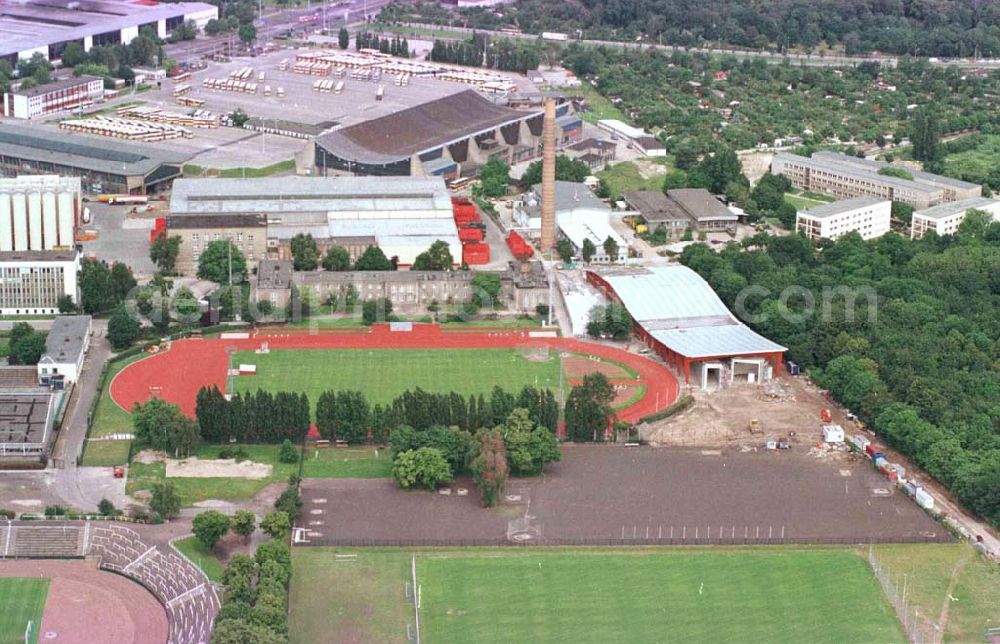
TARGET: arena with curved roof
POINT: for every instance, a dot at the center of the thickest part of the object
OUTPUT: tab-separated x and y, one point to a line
677	314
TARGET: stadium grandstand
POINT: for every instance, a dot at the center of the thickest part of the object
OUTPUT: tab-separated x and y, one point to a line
678	316
450	137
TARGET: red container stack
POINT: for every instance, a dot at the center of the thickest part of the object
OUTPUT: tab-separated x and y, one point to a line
470	232
521	249
474	254
159	228
467	235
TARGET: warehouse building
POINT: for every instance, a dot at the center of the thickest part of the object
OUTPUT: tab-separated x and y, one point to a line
580	215
102	166
59	96
844	176
945	218
47	26
402	216
680	318
450	137
32	281
867	216
39	212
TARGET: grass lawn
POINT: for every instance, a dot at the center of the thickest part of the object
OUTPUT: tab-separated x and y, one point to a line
359	462
578	595
109	418
802	203
625	177
23	599
105	453
204	558
601	108
930	570
383	374
976	164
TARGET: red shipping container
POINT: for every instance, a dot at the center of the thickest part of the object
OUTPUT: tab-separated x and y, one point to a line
871	449
461	200
475	254
520	248
470	235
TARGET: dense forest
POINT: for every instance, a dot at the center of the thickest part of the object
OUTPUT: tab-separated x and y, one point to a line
745	103
916	354
947	28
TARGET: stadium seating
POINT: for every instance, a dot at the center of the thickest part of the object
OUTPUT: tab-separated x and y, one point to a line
189	598
39	541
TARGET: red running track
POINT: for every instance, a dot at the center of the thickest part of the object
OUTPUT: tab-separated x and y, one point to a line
189	364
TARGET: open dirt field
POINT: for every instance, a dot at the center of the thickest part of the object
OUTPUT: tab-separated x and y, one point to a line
210	468
86	606
721	418
602	494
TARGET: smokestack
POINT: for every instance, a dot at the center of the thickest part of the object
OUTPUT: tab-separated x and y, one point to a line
549	177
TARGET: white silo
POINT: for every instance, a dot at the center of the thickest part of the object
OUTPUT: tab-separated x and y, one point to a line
20	209
67	218
34	221
6	224
50	237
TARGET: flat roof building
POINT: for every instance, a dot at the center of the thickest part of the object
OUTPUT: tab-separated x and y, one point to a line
401	215
65	348
449	137
867	216
47	26
845	176
32	281
103	166
59	96
944	219
677	314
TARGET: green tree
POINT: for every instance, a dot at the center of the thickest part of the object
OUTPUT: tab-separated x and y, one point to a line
564	248
675	179
106	508
161	425
343	38
164	500
96	294
588	251
424	467
337	259
186	306
611	248
28	350
121	282
379	310
489	467
290	502
588	408
244	523
210	527
373	259
567	169
486	289
436	258
305	252
529	445
247	33
220	261
73	54
494	177
123	328
902	211
66	304
239	117
287	453
277	525
925	134
238	631
976	223
163	252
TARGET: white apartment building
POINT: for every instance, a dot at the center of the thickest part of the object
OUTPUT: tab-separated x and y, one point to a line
946	218
867	216
54	97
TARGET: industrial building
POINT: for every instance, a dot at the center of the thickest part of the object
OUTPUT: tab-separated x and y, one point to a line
47	26
32	281
945	218
579	215
39	212
844	176
679	317
102	166
247	232
402	216
867	216
65	348
67	94
450	137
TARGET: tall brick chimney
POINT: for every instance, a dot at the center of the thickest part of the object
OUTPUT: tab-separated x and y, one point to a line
549	177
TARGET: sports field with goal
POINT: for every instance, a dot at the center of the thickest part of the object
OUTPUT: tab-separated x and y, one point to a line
383	374
577	595
23	600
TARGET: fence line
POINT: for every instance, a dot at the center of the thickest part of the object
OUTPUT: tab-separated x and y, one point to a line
617	541
907	615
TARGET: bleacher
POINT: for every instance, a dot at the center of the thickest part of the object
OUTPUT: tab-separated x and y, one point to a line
190	599
39	541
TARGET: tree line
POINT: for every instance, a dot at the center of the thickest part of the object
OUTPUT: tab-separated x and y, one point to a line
258	417
503	55
394	46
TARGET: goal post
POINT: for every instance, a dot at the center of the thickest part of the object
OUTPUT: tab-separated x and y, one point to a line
27	631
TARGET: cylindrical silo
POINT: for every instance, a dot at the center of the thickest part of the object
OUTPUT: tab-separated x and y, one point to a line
20	208
66	219
34	221
6	235
50	237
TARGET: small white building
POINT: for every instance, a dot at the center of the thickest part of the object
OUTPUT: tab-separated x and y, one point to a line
833	434
65	348
868	216
944	219
59	96
636	137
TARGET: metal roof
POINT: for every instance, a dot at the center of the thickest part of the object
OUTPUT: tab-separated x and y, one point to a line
66	338
700	205
589	224
956	207
65	83
839	207
654	206
679	309
275	195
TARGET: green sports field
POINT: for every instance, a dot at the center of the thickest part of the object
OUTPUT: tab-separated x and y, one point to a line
574	595
383	374
22	599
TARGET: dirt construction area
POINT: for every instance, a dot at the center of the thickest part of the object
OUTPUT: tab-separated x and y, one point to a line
606	494
86	606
